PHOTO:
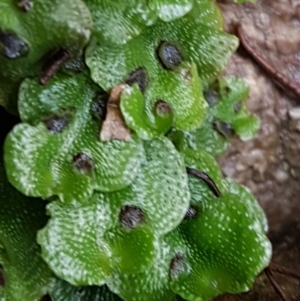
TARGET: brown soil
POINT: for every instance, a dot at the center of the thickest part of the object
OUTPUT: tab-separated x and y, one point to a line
270	164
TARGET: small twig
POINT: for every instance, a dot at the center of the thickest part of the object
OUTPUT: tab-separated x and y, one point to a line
275	285
205	177
279	78
274	267
61	57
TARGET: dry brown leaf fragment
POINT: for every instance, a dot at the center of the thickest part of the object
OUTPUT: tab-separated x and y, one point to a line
114	126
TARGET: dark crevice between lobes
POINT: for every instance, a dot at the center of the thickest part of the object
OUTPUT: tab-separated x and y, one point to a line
224	128
177	265
25	5
191	213
46	298
53	64
169	55
206	178
83	163
131	216
2	277
99	107
80	290
76	65
211	96
140	77
11	46
225	91
56	124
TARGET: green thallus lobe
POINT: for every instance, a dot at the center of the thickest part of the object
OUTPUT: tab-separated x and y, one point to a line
150	218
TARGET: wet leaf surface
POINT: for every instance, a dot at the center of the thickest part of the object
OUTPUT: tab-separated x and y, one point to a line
26	46
24	275
57	148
